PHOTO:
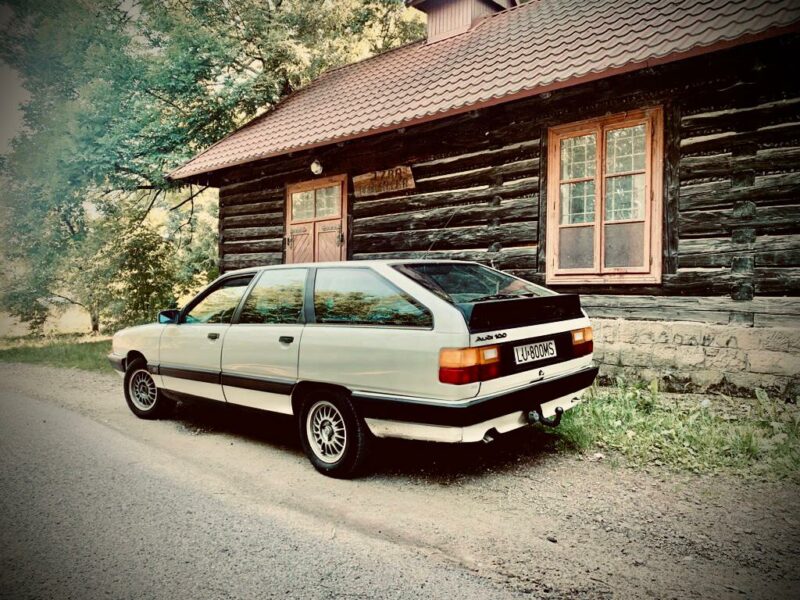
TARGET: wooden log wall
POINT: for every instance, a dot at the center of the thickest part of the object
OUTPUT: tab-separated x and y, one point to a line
739	201
732	179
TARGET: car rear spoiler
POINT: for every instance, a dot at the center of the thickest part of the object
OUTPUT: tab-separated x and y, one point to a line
520	312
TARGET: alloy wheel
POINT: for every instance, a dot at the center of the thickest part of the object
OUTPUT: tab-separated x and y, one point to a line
142	389
326	432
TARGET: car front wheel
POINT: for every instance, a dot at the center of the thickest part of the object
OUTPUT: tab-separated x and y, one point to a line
334	437
144	399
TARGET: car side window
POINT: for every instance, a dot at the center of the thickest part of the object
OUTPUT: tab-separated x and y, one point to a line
277	297
220	303
363	297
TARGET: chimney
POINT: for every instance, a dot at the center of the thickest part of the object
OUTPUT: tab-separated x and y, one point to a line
447	18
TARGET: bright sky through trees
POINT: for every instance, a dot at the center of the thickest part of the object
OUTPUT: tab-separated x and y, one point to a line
119	93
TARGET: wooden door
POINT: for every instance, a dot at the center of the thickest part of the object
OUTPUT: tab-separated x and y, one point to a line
316	221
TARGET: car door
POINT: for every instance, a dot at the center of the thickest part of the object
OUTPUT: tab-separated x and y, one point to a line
191	350
261	348
368	334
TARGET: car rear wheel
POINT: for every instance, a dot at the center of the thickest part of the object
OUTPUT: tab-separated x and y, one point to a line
144	399
334	437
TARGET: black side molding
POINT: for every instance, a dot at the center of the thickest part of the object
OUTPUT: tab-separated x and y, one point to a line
191	374
259	384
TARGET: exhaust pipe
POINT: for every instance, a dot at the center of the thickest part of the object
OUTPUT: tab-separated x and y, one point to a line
488	437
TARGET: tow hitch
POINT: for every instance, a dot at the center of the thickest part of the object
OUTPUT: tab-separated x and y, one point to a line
535	416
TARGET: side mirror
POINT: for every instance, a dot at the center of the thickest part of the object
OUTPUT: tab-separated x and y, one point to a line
169	316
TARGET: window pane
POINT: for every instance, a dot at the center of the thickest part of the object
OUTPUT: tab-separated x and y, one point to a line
219	305
328	201
625	149
463	283
624	245
362	297
624	197
577	202
277	297
578	157
303	205
576	247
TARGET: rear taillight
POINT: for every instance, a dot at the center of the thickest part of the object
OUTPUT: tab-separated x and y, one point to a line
468	365
582	343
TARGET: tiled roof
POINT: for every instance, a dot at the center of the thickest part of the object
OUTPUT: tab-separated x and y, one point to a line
540	45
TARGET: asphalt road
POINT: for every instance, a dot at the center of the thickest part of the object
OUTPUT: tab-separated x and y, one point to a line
86	512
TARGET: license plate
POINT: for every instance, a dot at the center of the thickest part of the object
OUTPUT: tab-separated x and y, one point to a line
534	352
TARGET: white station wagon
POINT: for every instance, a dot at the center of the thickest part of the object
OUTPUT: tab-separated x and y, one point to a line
445	351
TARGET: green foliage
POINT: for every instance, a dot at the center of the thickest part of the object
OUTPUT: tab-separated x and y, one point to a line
759	437
91	356
274	304
121	93
194	240
139	263
358	307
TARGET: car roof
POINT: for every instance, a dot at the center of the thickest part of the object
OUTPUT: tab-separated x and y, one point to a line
346	263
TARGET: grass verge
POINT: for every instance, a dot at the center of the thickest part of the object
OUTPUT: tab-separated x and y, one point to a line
758	437
90	356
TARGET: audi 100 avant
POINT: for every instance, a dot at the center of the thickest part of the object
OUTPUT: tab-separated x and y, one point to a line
445	351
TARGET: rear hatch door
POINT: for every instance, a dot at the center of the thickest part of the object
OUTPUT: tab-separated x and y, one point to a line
533	335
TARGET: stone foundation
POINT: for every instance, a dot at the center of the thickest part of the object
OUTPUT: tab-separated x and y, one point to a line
696	357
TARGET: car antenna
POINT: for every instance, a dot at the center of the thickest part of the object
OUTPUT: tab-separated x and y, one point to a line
456	208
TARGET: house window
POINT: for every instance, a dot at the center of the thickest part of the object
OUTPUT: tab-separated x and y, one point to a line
604	200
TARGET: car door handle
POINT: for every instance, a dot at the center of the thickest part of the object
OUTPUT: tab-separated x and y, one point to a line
213	336
286	339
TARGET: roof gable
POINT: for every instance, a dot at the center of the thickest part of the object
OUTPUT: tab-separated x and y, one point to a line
526	50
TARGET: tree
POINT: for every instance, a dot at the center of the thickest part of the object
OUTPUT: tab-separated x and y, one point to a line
121	93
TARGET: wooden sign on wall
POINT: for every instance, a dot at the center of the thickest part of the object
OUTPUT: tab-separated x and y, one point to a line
380	182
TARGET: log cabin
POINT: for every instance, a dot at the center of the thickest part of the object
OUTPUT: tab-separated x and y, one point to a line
643	154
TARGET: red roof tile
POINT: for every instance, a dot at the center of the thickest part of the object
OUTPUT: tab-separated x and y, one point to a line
541	45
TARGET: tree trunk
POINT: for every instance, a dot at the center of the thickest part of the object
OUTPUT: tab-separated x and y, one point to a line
95	322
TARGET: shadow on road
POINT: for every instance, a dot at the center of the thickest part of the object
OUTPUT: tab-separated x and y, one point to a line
442	463
446	463
255	425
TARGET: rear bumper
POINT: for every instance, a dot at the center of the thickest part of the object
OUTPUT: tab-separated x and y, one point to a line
457	422
471	433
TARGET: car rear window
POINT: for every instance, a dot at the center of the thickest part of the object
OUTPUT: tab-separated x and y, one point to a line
463	283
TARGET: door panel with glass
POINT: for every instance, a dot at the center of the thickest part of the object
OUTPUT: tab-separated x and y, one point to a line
316	221
190	350
387	334
260	353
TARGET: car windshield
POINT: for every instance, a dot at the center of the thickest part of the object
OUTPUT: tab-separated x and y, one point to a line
461	283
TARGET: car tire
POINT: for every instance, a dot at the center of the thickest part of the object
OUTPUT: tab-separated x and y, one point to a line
144	399
334	437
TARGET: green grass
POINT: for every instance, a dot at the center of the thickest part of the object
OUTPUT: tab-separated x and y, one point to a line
758	437
90	356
